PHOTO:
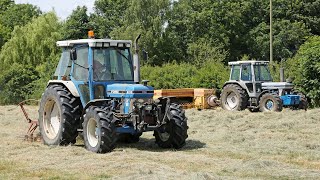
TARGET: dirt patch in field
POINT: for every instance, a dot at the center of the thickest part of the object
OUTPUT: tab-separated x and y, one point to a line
221	145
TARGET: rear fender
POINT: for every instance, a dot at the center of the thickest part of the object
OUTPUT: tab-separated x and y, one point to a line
236	83
232	82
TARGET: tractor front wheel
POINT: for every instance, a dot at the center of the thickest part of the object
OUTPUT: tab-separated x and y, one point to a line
303	104
59	116
99	131
270	102
174	132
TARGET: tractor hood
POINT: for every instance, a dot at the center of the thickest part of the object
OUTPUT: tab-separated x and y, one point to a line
277	85
129	91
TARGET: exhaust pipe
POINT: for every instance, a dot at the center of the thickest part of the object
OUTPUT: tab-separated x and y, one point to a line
136	62
282	75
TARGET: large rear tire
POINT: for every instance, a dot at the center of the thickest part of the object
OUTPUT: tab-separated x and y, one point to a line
59	116
99	131
234	98
270	102
174	132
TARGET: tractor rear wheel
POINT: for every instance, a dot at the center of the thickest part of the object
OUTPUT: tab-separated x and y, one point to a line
59	116
174	132
99	131
234	98
270	102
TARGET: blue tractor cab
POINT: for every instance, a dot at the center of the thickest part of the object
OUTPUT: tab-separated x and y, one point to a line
97	91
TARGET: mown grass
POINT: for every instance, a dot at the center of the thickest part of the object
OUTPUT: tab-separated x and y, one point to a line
221	145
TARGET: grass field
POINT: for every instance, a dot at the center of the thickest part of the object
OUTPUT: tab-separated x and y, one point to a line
221	145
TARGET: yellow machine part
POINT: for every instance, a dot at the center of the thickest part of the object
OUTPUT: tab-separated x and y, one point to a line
197	97
200	98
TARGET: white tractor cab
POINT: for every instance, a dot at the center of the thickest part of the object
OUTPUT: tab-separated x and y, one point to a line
250	86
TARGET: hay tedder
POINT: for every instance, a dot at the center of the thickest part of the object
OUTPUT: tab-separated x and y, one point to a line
96	92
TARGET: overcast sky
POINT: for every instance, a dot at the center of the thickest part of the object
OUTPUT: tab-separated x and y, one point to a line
63	8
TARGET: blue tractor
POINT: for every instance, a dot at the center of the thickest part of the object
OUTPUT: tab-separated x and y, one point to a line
250	86
96	92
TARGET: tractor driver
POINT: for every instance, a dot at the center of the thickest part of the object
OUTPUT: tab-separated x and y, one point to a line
100	71
246	73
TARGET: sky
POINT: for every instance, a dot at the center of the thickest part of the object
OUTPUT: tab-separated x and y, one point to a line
63	8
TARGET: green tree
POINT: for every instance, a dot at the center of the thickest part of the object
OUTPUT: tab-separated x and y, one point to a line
287	37
190	21
108	16
309	14
34	43
148	17
77	24
15	15
306	11
5	4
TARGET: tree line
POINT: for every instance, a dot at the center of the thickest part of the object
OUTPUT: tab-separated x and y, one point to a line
190	42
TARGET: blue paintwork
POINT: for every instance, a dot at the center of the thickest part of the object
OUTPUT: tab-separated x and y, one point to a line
126	106
126	129
90	64
77	83
114	89
126	91
290	100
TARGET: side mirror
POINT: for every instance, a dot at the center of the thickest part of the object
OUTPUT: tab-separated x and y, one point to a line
73	54
144	55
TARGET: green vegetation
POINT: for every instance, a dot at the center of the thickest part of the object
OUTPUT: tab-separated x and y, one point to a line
188	42
29	59
305	68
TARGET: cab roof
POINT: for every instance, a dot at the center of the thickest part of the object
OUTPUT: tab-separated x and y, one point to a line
247	62
95	43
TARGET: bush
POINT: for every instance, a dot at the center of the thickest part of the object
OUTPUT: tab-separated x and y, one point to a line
211	75
16	83
185	75
305	69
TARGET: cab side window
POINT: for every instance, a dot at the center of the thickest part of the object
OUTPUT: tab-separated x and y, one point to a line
80	67
235	75
246	72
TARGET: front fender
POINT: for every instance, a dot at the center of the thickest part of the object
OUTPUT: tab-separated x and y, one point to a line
261	94
68	84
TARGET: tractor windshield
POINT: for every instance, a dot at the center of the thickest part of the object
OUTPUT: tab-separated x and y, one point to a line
262	72
112	63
